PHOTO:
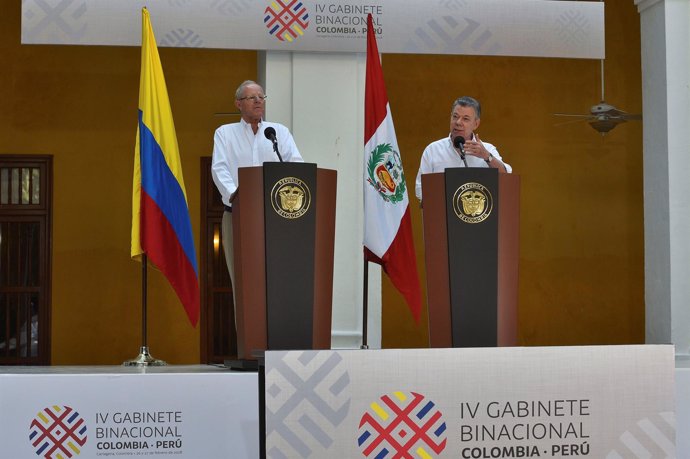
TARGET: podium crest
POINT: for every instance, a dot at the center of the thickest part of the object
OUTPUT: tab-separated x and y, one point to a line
290	197
472	203
385	173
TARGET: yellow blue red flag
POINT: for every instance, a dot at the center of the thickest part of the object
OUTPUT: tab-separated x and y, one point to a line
161	227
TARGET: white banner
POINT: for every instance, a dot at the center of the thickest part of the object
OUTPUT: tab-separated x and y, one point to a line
474	27
609	402
87	413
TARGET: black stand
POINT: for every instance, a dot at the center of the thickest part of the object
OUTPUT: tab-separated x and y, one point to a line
262	410
241	364
261	361
365	306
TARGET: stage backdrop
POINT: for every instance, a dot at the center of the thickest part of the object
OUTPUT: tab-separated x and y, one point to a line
476	27
595	401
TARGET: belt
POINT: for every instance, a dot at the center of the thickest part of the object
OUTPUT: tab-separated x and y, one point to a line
228	208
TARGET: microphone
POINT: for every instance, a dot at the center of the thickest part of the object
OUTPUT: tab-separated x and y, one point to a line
270	134
459	143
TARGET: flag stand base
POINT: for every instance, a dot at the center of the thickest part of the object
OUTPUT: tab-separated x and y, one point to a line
242	364
144	359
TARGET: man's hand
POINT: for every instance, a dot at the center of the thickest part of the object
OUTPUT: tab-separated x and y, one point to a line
476	148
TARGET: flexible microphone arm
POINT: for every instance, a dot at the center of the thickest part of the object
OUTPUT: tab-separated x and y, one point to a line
270	134
459	143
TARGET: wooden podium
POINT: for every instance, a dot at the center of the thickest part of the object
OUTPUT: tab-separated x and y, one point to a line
283	233
471	233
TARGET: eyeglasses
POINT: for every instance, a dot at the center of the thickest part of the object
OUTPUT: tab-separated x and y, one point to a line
254	98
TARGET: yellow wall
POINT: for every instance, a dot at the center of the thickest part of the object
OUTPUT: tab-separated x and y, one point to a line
582	253
581	231
80	105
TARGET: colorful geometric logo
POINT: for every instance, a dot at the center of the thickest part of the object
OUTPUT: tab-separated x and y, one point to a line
401	425
57	432
286	19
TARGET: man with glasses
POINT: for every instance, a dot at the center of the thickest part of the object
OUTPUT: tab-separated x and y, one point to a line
464	120
246	144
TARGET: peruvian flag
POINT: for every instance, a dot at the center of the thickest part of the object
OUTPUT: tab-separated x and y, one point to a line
387	226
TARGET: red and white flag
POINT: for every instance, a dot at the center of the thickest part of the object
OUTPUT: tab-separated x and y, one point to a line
387	226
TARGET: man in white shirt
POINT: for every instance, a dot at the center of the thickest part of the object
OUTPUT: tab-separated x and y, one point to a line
245	144
464	120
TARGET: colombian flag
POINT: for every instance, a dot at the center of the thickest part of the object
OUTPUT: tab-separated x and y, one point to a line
161	227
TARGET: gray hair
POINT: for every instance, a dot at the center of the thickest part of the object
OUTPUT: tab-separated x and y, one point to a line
467	101
245	83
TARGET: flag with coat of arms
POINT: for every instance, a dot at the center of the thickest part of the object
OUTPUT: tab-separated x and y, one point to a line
387	226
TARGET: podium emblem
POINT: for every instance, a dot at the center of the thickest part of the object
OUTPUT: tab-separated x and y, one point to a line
385	173
290	197
472	202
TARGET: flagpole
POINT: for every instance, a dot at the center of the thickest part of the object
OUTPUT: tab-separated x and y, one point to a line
365	308
144	300
144	359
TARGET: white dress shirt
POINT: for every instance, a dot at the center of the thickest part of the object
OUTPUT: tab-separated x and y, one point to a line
440	155
235	145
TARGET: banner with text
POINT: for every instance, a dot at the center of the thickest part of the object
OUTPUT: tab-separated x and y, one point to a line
543	28
92	415
590	401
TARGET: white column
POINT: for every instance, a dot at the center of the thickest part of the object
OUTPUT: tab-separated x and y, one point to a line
666	144
320	97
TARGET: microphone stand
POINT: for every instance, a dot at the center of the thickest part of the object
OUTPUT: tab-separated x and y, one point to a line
462	156
275	148
270	134
459	143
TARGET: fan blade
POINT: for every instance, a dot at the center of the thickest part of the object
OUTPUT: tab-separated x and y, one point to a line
620	118
613	112
580	120
572	114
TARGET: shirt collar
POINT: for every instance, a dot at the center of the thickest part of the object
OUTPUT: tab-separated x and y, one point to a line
246	125
450	139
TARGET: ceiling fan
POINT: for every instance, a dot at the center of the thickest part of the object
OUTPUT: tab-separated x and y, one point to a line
603	116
